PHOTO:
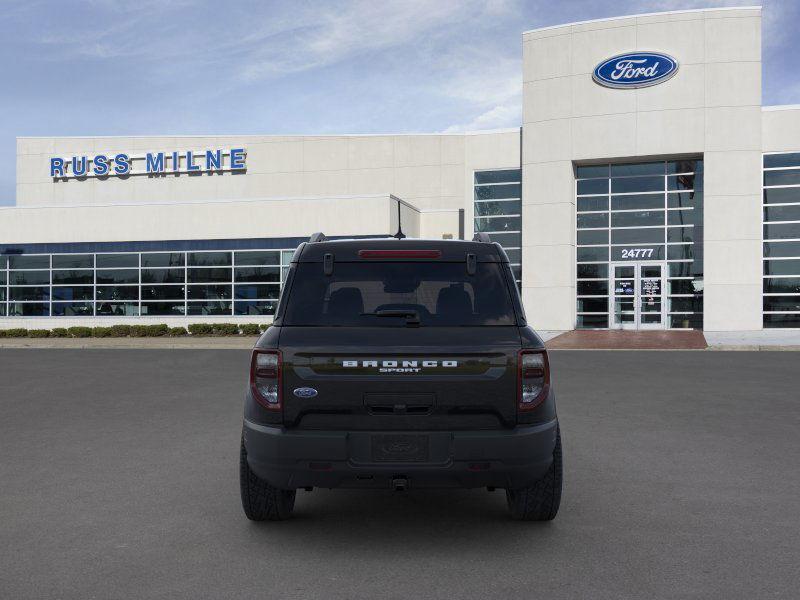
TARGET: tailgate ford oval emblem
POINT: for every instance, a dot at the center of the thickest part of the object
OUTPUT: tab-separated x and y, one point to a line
305	392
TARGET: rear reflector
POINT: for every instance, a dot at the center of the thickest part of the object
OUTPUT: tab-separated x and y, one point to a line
399	253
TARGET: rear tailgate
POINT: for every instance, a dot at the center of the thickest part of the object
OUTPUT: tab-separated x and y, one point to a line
429	378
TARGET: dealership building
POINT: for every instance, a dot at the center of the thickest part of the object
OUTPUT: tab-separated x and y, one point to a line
646	188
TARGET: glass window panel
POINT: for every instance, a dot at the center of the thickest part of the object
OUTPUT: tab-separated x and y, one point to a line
162	309
2	277
592	322
2	294
29	277
3	308
3	262
83	292
782	195
516	271
257	274
782	213
782	249
679	252
73	277
286	256
684	182
499	176
789	159
209	259
591	171
163	259
220	307
685	200
637	202
117	309
592	288
782	267
592	271
209	275
118	292
637	219
636	184
694	321
512	240
73	261
684	166
787	320
638	252
113	261
685	286
593	220
782	285
592	254
782	303
29	293
29	261
496	192
118	276
637	236
680	234
788	177
28	309
488	209
782	231
694	304
593	305
254	292
592	186
73	309
258	257
597	203
514	256
683	217
163	276
592	236
498	224
162	292
209	292
255	308
648	168
681	269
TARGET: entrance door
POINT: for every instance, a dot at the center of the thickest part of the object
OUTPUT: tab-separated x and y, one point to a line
636	298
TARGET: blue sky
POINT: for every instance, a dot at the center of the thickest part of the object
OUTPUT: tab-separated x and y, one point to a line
151	67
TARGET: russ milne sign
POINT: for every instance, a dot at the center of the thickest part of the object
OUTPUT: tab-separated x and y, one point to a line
151	163
635	70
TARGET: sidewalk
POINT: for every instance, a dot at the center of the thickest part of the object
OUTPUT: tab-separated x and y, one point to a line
244	342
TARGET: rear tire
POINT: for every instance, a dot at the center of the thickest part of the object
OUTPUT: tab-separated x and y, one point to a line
540	501
260	500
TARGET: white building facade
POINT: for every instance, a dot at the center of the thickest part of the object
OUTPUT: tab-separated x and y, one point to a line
647	188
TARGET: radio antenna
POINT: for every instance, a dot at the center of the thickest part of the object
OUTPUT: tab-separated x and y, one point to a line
399	235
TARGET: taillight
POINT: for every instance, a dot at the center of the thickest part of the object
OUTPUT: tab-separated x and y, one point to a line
534	378
265	378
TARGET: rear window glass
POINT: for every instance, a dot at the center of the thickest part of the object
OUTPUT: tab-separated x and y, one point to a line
374	295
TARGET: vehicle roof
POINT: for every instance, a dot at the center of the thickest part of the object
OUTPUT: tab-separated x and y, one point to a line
348	249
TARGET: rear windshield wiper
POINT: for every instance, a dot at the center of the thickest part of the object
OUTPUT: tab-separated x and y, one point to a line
412	316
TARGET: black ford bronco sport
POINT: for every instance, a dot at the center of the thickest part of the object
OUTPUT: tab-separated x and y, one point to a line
400	363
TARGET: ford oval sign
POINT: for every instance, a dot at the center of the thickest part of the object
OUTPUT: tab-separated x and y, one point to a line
635	70
305	392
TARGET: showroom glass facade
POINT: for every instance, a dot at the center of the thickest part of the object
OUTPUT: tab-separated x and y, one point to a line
498	212
130	284
781	300
648	212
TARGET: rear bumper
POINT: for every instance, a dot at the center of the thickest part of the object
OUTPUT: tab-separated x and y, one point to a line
291	459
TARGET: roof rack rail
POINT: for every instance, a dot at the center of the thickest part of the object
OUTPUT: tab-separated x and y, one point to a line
482	236
317	237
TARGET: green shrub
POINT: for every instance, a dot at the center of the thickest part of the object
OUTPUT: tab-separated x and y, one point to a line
80	332
225	329
263	327
2	333
59	332
157	330
201	329
250	329
177	331
38	333
16	332
101	332
120	330
138	330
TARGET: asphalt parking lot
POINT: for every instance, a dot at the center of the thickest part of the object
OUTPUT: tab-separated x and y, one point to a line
118	479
